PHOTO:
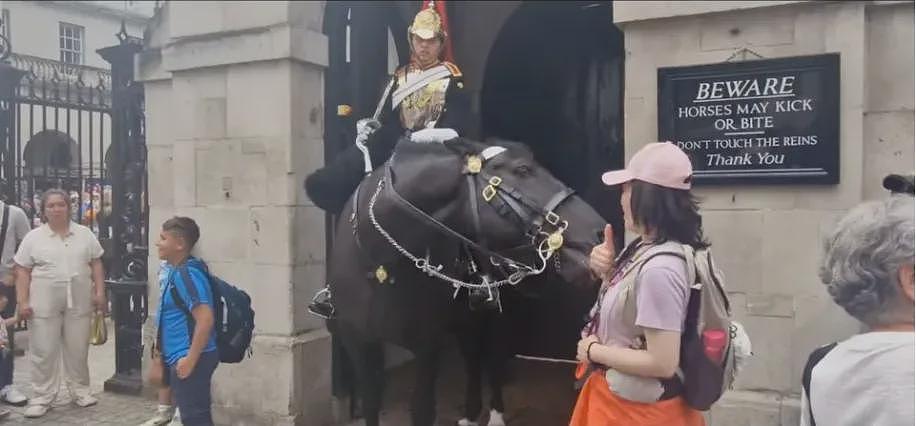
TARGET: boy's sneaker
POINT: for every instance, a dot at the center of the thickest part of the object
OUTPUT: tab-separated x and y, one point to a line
163	416
12	396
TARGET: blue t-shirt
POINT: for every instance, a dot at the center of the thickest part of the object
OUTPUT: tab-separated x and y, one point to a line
192	282
164	270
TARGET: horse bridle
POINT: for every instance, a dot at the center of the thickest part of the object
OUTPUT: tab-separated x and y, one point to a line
509	202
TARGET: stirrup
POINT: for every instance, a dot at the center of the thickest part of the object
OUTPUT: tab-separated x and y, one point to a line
321	305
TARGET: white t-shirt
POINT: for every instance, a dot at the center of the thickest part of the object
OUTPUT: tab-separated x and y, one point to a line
865	380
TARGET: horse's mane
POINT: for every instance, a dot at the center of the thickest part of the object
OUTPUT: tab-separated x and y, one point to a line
466	146
462	147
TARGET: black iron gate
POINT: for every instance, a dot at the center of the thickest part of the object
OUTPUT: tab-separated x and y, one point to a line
58	126
81	129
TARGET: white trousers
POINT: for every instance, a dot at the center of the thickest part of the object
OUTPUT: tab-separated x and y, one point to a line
59	336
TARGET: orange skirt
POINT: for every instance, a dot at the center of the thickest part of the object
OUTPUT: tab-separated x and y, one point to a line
598	406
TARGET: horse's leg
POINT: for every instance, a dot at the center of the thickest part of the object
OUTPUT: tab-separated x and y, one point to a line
423	404
469	340
367	381
497	359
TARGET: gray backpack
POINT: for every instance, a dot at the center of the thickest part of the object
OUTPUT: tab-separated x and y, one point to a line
700	380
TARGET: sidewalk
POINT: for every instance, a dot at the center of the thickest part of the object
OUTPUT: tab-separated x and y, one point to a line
112	410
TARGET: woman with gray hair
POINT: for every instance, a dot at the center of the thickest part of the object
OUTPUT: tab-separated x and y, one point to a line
868	379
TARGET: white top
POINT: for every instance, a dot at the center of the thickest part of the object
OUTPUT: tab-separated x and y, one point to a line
59	264
865	380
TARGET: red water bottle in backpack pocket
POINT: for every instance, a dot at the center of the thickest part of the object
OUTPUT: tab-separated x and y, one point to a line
714	345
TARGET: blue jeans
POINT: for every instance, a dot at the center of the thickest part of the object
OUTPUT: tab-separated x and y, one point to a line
193	393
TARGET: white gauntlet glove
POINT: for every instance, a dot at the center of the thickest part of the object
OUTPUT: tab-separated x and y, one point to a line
433	135
366	127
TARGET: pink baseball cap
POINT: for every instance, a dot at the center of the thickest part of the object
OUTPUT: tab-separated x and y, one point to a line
659	163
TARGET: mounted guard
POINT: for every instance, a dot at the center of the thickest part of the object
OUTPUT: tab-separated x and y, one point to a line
424	101
428	93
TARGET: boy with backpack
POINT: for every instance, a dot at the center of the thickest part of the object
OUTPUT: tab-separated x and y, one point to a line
188	342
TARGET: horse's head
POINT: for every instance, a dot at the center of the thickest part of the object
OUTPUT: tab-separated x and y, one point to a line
524	212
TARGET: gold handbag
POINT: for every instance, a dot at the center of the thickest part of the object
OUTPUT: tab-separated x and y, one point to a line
99	330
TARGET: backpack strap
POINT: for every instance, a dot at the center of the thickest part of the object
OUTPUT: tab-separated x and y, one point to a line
629	307
816	356
186	276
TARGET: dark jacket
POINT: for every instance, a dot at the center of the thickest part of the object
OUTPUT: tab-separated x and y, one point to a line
331	186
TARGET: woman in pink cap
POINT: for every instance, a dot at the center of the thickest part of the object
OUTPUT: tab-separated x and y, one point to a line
628	367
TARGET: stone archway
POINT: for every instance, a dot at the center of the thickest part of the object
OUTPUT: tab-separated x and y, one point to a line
554	80
50	151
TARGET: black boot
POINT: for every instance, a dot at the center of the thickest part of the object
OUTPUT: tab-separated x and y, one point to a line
321	304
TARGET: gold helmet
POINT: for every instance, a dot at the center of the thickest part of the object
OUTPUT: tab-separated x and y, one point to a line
426	25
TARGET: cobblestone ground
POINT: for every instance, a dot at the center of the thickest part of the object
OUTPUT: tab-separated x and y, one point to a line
112	409
539	394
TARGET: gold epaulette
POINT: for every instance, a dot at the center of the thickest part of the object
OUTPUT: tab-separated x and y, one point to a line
452	68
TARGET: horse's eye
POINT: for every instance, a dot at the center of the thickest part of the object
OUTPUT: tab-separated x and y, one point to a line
523	170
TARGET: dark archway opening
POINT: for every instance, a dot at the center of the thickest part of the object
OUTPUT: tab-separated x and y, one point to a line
358	62
554	80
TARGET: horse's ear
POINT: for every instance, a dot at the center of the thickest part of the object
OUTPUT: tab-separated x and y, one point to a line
462	146
516	148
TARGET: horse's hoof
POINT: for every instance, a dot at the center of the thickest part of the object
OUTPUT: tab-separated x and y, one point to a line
496	419
466	422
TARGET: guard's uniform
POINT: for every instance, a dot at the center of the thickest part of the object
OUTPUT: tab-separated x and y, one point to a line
419	99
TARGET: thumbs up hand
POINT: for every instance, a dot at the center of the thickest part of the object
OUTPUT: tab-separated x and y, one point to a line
601	260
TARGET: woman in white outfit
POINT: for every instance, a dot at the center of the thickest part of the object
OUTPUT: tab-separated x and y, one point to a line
60	283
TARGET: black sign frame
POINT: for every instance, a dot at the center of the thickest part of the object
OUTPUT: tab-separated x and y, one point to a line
815	164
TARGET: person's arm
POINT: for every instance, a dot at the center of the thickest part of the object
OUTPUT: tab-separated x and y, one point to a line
99	297
203	325
23	266
21	225
661	302
11	321
98	285
23	285
457	114
659	359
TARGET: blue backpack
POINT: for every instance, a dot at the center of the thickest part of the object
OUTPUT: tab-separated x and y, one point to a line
234	319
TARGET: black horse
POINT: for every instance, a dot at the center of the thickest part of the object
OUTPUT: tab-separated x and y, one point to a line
437	222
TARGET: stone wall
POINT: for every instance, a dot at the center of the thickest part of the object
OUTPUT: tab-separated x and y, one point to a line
234	103
767	239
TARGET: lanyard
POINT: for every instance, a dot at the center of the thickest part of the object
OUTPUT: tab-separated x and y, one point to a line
619	272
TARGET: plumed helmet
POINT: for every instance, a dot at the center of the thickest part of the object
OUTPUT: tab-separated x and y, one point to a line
426	25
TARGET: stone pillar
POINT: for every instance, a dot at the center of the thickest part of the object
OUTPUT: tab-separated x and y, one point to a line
234	95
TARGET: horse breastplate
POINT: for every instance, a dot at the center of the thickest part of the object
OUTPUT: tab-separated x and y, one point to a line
422	108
